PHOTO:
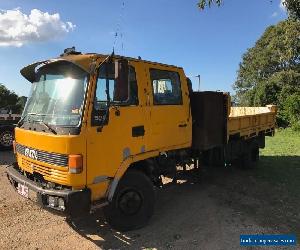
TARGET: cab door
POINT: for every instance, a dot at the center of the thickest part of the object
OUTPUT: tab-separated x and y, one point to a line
117	128
170	109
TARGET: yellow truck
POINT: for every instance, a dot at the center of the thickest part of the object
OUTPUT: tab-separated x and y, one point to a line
101	131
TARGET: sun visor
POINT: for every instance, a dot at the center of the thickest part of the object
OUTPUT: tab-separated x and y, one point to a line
29	71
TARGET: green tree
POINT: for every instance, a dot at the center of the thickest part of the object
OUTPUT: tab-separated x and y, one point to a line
21	102
10	100
270	72
292	6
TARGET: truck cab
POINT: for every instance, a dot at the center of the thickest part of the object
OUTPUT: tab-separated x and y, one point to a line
91	130
100	131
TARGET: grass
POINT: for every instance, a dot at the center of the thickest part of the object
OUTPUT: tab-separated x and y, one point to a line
270	192
286	142
279	168
280	160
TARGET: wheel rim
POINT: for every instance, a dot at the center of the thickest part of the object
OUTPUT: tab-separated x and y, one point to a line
6	139
130	202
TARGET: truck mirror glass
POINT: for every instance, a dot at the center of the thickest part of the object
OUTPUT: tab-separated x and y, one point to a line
121	68
116	69
121	87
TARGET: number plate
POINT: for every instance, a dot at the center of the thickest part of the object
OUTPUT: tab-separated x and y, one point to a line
23	190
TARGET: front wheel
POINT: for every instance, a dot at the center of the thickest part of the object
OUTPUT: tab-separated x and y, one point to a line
133	202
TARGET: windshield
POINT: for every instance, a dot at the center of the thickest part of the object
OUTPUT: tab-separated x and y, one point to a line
57	95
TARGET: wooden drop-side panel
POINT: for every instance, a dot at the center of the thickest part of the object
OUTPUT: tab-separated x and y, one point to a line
250	121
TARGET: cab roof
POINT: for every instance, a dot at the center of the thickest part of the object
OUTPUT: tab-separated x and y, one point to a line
84	61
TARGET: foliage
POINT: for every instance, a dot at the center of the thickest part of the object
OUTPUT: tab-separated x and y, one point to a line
22	101
291	110
203	3
292	6
10	100
270	72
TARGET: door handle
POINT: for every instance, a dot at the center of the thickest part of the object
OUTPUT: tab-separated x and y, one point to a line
182	125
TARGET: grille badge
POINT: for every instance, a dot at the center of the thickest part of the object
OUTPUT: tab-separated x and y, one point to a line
31	153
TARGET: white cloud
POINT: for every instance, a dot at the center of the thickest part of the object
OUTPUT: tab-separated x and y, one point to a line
281	5
275	14
17	28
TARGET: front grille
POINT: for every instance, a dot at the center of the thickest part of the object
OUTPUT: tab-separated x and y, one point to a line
51	174
43	156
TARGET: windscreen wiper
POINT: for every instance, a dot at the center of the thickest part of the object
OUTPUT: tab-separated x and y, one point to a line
48	127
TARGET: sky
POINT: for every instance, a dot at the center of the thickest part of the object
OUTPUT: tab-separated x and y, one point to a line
210	42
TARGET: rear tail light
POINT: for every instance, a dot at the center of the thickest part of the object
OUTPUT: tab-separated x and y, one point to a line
75	164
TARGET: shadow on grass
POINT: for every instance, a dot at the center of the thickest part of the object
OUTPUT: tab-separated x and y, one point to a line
280	169
283	174
269	194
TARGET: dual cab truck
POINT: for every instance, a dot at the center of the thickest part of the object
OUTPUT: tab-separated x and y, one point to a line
101	131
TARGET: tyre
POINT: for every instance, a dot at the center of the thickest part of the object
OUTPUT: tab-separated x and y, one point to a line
245	160
250	157
133	202
255	153
6	139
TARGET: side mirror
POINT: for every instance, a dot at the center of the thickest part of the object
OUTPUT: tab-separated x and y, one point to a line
116	69
121	87
121	68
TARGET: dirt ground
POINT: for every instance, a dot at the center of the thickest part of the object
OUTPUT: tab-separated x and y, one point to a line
207	215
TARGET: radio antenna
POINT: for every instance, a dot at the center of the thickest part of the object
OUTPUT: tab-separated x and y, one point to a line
118	32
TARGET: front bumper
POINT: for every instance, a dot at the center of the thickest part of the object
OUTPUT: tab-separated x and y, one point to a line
76	202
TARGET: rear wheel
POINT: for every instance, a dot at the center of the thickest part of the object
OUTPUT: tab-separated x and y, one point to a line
6	139
250	156
255	153
133	202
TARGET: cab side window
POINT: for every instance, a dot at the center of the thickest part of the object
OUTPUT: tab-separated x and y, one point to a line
123	90
114	88
166	87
